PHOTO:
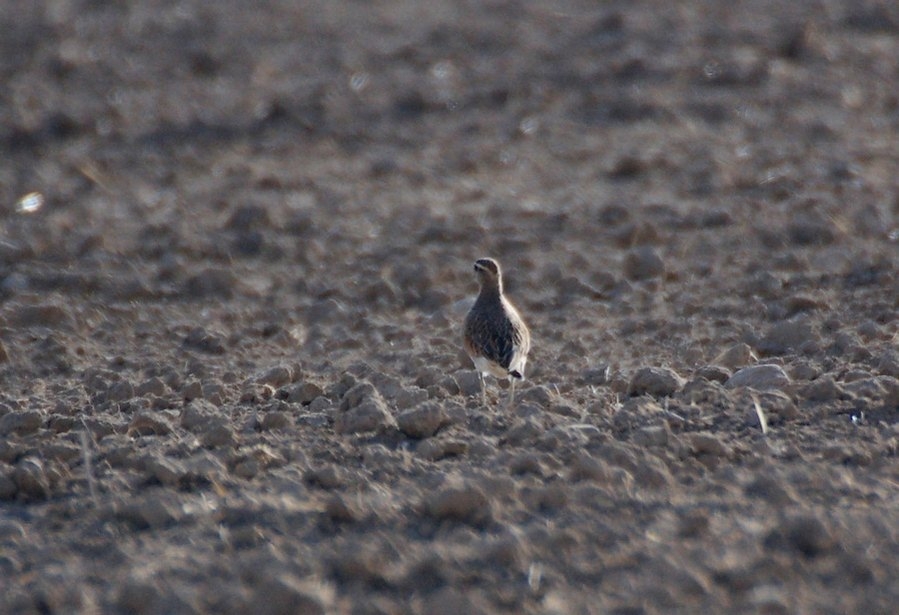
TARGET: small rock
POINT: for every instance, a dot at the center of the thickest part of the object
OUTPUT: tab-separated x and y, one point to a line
821	390
192	390
211	283
805	533
540	396
423	421
655	381
869	389
275	420
8	486
203	467
166	471
339	510
774	405
704	443
466	503
284	594
713	373
31	479
314	419
146	424
889	364
153	386
469	383
217	433
735	357
410	397
452	601
277	376
119	391
203	340
45	315
370	416
326	477
148	512
788	335
643	263
197	413
434	449
301	393
546	498
526	463
761	377
21	422
654	435
768	488
356	395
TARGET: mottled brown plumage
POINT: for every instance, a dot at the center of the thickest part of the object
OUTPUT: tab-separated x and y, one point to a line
496	338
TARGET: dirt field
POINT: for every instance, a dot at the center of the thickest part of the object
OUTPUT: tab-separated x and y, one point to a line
236	247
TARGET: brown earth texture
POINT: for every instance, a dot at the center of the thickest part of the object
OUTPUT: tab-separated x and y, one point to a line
236	247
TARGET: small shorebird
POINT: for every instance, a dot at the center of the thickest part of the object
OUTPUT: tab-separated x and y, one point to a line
496	338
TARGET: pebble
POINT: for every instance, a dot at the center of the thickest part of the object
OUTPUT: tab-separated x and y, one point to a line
217	433
192	390
526	463
469	382
434	449
789	335
643	263
42	315
275	420
211	283
774	404
761	377
146	424
804	533
713	373
423	421
553	496
735	357
326	477
166	471
888	364
822	389
22	422
357	394
150	511
369	416
301	393
284	594
767	487
410	397
277	376
466	503
653	473
653	435
118	391
152	386
8	486
703	443
197	413
452	601
655	381
31	479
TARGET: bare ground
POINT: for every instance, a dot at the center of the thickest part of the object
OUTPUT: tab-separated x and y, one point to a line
231	377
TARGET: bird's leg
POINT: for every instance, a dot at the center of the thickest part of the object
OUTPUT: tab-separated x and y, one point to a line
483	389
511	393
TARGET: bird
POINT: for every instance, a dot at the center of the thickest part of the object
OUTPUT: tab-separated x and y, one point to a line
495	336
